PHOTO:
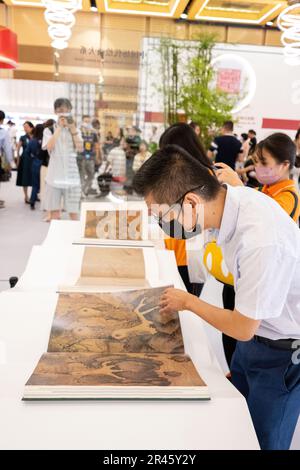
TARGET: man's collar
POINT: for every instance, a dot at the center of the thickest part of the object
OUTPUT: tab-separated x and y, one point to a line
230	215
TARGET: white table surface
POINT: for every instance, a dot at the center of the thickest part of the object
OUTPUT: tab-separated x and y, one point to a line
26	316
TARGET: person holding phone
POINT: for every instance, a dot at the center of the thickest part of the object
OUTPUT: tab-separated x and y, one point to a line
63	188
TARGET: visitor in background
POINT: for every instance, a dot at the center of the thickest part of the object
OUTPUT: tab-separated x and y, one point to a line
33	149
62	180
183	135
87	159
296	170
226	148
97	127
119	137
12	130
273	159
245	145
108	143
24	161
133	141
116	164
194	125
141	156
253	141
6	154
262	248
153	139
44	168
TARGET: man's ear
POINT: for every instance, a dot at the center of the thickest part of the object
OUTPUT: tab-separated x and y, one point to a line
193	199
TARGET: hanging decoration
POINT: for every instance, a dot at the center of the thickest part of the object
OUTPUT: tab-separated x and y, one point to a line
289	23
8	49
60	18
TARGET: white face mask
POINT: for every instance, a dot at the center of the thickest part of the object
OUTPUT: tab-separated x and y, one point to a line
87	125
64	114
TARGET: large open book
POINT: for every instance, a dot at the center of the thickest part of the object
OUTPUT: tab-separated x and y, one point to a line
115	346
108	223
99	268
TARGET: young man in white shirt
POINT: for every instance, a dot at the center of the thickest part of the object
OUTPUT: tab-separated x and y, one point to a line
62	180
261	247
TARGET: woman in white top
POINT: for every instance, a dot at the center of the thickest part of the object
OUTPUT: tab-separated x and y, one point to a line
141	157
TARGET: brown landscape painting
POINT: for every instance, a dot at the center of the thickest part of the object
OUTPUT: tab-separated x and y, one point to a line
114	225
110	323
84	369
113	263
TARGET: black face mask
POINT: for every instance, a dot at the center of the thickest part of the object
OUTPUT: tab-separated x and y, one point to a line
176	230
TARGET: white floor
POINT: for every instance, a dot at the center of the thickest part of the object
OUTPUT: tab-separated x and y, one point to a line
21	228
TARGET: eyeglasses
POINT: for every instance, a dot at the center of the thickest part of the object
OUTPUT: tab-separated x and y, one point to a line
159	218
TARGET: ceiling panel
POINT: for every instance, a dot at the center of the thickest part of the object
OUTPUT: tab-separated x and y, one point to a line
236	11
164	8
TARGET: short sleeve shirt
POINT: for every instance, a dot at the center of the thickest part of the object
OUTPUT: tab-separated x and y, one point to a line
228	148
62	169
261	248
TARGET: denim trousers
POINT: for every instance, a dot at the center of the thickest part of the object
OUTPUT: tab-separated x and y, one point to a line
269	379
36	168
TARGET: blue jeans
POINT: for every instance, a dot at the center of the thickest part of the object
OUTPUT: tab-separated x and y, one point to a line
270	382
36	168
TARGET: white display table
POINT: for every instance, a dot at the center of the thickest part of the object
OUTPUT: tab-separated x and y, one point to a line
26	314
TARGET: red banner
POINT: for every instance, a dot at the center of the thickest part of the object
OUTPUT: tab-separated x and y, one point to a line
8	49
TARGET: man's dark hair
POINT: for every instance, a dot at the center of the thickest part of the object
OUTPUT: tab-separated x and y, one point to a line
2	116
251	131
228	125
86	116
171	172
183	135
62	102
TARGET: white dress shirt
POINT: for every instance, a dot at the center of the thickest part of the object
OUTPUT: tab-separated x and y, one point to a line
261	248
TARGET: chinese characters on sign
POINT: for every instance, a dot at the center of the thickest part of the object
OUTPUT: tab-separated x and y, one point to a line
229	80
103	53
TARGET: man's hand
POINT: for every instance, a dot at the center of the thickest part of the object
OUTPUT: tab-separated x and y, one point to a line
173	300
227	175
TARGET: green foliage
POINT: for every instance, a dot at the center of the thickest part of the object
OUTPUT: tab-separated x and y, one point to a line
191	85
200	98
170	87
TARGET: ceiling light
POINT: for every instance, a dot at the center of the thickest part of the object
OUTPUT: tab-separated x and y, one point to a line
59	15
183	16
289	23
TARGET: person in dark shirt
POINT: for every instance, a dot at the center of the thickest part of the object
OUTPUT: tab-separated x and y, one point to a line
253	141
33	151
226	147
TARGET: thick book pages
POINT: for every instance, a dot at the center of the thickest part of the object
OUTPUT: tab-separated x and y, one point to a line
122	224
115	346
96	268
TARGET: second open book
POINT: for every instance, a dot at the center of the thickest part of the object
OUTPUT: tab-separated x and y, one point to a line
99	268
